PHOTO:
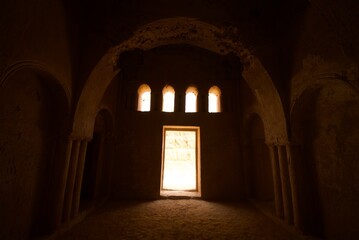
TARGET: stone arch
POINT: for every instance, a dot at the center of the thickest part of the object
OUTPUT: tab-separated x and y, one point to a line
181	30
109	117
323	116
12	69
315	74
35	120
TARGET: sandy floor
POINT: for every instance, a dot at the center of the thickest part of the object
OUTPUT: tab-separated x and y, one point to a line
178	219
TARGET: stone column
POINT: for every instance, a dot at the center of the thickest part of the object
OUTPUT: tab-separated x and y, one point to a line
278	199
78	179
292	157
62	185
286	191
71	181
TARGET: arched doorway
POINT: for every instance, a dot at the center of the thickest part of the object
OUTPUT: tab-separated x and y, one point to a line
34	112
324	125
180	30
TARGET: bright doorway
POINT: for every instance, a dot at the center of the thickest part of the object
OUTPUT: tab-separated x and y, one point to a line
180	161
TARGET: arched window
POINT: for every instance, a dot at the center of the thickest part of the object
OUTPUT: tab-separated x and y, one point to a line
168	102
191	99
144	98
214	100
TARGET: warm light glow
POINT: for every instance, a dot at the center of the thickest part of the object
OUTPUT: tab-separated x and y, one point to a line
168	104
179	170
144	98
191	100
146	102
214	103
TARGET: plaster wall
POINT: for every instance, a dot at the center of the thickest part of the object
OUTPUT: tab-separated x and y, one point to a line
326	36
35	33
137	167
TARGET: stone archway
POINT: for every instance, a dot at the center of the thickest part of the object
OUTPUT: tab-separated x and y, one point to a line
15	67
323	121
35	118
307	87
190	31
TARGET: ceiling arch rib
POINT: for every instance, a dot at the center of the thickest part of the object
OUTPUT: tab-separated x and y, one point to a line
179	30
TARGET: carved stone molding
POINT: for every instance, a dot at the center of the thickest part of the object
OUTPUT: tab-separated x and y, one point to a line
10	70
222	40
180	30
17	66
317	72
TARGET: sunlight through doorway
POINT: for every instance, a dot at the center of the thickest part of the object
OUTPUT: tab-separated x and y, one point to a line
180	161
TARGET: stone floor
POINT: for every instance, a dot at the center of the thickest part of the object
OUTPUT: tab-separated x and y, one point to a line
178	219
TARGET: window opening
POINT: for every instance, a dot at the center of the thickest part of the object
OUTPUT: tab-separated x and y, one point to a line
180	161
144	98
191	100
214	100
168	102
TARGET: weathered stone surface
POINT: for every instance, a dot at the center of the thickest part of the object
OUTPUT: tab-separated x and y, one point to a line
70	135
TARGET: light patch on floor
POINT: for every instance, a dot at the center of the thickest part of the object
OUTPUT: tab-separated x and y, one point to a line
179	219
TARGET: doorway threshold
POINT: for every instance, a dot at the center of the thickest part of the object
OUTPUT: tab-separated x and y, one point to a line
171	194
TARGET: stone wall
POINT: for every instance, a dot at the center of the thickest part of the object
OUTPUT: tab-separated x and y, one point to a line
137	165
33	115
